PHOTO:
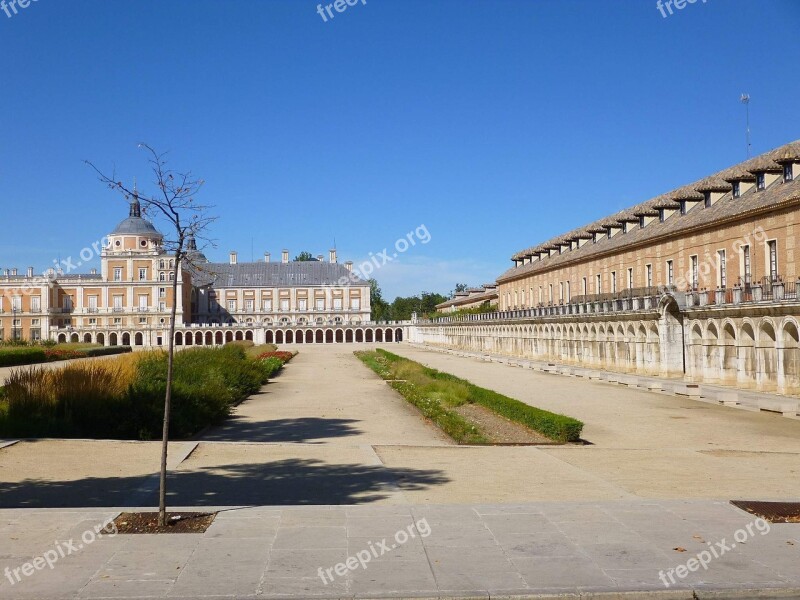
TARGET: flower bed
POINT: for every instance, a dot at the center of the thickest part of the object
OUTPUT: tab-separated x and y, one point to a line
282	355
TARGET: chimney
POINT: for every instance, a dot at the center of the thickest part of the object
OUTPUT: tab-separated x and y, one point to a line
234	257
319	257
93	272
349	265
285	257
266	257
333	256
14	271
5	272
30	272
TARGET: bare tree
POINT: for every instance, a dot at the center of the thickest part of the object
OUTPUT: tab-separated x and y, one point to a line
173	201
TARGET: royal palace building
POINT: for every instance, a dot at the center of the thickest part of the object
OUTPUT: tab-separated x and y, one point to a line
700	282
130	300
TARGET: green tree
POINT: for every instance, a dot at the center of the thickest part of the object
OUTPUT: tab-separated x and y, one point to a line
304	256
380	308
460	287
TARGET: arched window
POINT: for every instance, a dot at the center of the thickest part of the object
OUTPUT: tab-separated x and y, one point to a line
162	276
172	276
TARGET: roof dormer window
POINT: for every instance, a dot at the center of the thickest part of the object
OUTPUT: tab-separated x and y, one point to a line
788	174
625	227
737	189
683	207
608	233
761	182
641	221
660	215
707	199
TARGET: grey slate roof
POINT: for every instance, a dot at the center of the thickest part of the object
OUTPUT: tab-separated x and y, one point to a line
136	226
273	274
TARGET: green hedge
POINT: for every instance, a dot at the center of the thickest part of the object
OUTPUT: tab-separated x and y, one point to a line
14	356
107	350
553	425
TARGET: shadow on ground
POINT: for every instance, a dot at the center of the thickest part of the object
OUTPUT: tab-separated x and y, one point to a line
236	429
283	482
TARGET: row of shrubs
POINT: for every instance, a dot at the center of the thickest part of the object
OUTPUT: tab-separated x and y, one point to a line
434	392
124	398
14	356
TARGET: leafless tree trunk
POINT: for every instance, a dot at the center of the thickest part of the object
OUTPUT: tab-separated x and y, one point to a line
174	203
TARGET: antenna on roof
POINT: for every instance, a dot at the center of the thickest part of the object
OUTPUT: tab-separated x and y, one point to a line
745	99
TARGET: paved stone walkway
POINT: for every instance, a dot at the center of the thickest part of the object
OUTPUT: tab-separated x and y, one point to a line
518	521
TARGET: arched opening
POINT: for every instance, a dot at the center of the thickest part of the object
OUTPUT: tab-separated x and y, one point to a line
279	337
309	337
729	353
101	339
328	336
379	335
138	339
359	336
248	335
388	335
126	339
767	357
339	336
62	338
228	336
188	339
791	358
348	336
239	336
368	338
290	337
198	339
319	337
74	338
299	337
112	339
398	335
269	337
746	351
218	339
87	338
209	338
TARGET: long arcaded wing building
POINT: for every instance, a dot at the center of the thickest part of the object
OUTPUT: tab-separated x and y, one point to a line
700	281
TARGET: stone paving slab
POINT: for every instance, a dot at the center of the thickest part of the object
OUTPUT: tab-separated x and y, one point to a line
593	549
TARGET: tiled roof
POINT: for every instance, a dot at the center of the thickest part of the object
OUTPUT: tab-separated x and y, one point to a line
777	194
273	274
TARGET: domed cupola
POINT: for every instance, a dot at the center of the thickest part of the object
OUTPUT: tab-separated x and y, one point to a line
135	233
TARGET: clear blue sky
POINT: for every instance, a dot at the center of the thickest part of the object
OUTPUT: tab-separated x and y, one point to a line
496	124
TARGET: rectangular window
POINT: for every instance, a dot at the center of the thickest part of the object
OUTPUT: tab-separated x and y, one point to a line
630	278
67	302
746	264
142	274
693	270
707	199
355	303
302	304
561	291
248	305
92	321
92	303
143	320
613	282
143	300
118	274
649	274
118	303
599	284
761	182
36	303
661	215
641	221
723	277
267	305
541	295
320	303
670	273
337	304
162	292
231	305
550	293
772	246
788	173
162	306
36	322
284	304
569	294
585	286
117	321
683	207
737	189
